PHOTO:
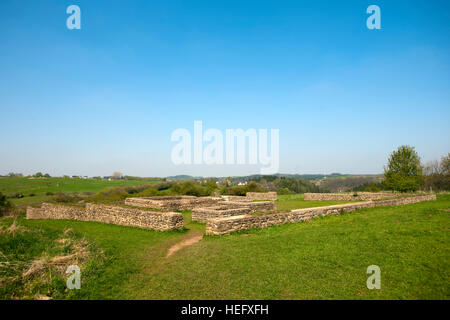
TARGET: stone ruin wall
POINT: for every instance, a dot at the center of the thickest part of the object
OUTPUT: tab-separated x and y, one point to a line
132	217
236	198
229	208
204	208
254	196
269	196
176	203
254	206
203	214
357	196
221	219
221	226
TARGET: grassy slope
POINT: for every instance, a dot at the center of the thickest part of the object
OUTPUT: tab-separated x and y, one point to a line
41	186
324	259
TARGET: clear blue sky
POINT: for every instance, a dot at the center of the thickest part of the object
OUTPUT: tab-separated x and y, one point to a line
107	97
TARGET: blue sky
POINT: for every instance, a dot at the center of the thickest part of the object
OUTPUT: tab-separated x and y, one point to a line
107	97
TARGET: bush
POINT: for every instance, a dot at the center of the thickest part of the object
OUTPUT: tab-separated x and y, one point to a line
5	205
242	190
136	189
284	191
111	194
66	198
16	196
370	187
189	188
149	192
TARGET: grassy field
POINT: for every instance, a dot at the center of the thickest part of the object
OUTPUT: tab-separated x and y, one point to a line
326	258
41	186
296	201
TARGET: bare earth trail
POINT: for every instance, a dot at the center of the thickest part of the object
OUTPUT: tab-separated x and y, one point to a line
159	258
190	239
195	234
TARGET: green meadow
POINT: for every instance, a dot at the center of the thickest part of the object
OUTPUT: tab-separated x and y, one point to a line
36	190
325	258
295	201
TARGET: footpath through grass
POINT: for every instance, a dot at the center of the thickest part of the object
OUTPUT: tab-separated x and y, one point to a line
326	258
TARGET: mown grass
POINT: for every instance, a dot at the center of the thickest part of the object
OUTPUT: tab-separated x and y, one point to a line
326	258
296	201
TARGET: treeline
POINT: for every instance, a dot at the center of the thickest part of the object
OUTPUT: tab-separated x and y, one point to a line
285	185
348	183
436	175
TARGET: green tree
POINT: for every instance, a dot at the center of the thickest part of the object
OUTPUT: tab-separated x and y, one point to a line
403	172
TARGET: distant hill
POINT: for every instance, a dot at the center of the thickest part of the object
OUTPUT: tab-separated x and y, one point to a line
287	175
334	182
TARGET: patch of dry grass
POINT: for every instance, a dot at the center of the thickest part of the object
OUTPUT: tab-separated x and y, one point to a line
34	276
13	229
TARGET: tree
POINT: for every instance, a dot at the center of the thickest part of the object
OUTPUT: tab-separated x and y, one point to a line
445	171
403	172
445	165
13	174
437	174
38	175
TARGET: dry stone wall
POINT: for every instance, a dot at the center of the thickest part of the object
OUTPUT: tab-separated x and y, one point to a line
252	196
203	214
133	217
220	226
230	208
174	203
358	196
53	211
254	206
236	198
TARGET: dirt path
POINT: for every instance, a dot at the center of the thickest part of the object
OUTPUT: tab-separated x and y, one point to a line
193	237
